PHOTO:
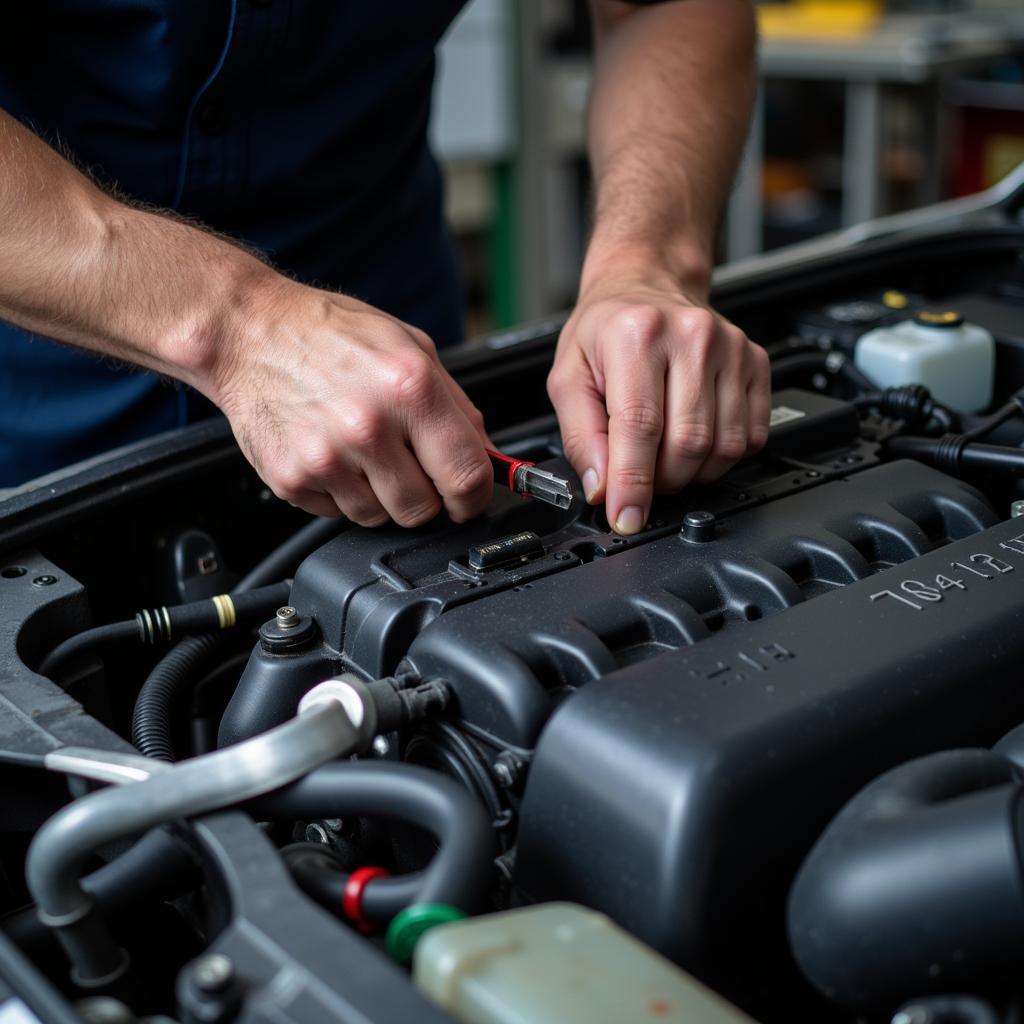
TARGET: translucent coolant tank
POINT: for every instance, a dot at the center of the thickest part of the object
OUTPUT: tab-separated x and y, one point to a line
953	359
558	963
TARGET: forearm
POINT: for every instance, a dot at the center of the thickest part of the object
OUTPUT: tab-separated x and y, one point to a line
81	267
673	89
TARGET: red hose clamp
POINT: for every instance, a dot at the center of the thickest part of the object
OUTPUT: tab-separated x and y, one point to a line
352	896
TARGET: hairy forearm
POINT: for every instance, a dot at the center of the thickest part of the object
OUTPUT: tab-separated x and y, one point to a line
79	266
673	89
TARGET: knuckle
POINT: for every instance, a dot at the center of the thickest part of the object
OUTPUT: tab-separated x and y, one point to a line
731	443
699	325
573	444
418	512
634	477
757	440
691	440
469	479
641	324
320	460
643	420
412	380
288	484
364	513
556	384
363	427
761	362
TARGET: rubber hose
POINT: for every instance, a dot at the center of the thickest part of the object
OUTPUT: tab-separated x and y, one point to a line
318	875
460	872
915	886
157	866
192	658
151	719
86	641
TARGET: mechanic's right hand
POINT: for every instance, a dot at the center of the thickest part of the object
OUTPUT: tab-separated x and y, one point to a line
344	409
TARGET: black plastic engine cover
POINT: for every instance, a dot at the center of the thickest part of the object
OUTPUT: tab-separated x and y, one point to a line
696	782
693	705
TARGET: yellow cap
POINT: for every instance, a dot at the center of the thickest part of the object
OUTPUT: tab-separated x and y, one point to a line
895	300
937	318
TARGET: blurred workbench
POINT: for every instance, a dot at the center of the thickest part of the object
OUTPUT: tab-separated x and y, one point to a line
922	51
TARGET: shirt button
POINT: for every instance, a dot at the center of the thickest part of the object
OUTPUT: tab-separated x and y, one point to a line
213	118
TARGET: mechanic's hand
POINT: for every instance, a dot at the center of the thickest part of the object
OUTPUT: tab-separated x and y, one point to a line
344	409
653	390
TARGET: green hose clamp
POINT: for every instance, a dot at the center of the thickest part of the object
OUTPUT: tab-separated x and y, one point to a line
410	924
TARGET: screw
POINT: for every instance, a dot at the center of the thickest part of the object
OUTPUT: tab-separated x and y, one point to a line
507	769
46	580
813	474
1017	509
381	746
213	973
316	833
563	556
287	617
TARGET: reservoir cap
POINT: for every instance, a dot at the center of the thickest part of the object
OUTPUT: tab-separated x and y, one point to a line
939	318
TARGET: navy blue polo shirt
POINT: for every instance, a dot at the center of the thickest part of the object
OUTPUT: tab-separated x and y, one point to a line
296	126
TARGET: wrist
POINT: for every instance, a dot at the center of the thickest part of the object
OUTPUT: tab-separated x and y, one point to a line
227	293
681	267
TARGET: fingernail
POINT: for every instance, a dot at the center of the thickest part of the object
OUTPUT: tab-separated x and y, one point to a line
631	520
591	481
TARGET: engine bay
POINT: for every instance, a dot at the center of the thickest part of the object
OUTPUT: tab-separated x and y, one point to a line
773	739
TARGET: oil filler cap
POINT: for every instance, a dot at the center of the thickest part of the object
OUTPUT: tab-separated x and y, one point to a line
516	547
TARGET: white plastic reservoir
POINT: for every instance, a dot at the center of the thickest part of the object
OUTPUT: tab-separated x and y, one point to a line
558	963
953	359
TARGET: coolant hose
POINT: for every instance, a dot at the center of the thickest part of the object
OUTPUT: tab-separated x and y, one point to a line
189	660
460	872
224	778
916	886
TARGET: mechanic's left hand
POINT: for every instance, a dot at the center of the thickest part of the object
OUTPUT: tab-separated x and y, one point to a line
653	389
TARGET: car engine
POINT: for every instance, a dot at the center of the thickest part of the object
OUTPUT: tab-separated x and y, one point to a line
341	774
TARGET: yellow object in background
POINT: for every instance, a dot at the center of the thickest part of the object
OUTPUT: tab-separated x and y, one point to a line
842	19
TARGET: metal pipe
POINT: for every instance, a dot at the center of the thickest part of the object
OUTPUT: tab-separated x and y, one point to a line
322	731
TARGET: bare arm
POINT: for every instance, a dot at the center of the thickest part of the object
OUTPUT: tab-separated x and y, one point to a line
340	407
651	387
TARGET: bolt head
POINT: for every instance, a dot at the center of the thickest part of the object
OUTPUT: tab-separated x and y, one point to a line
381	746
287	617
508	769
213	973
1017	509
699	526
46	580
